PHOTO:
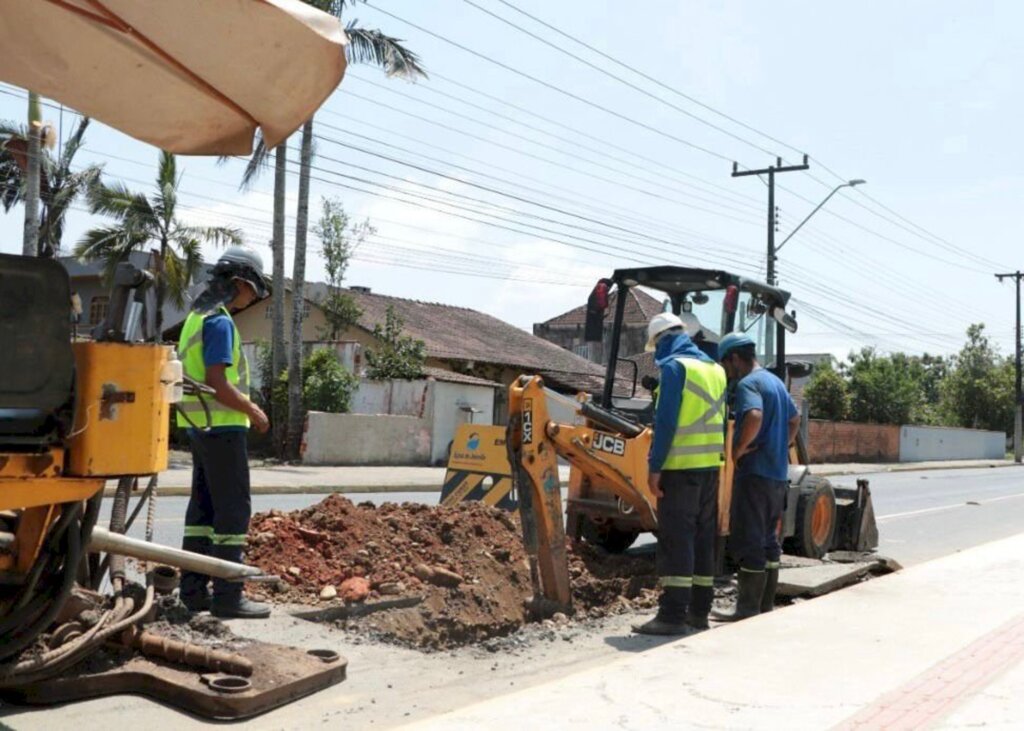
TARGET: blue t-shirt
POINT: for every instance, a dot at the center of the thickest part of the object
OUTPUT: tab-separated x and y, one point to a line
762	390
218	340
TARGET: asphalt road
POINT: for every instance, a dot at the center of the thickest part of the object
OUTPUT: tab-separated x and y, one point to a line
921	515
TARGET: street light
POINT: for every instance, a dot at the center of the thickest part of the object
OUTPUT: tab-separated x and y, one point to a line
848	184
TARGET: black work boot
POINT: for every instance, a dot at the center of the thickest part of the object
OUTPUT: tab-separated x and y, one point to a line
748	601
238	607
771	584
671	613
700	606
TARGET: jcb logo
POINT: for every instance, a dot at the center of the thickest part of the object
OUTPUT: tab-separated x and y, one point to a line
610	444
527	424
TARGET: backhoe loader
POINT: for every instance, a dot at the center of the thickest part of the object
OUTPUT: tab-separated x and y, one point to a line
606	444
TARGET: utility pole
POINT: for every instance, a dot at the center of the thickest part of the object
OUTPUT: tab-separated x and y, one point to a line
772	213
1019	399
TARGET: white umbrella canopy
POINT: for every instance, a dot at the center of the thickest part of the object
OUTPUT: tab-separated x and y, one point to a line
193	77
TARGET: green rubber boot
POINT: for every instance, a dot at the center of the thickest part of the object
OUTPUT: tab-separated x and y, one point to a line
748	602
771	585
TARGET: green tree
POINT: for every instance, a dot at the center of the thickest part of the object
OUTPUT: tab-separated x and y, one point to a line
398	356
59	185
882	388
327	386
141	221
338	238
828	395
978	393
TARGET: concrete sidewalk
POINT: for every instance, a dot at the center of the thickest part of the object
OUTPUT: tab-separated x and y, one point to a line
296	479
938	644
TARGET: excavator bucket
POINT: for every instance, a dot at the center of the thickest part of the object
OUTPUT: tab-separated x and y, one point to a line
856	529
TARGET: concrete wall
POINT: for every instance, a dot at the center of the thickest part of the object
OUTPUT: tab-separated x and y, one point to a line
346	439
397	422
923	443
405	398
830	441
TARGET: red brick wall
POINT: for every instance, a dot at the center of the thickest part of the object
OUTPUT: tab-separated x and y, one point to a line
835	441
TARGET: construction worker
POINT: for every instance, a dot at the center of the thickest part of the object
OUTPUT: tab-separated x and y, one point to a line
684	462
766	425
210	349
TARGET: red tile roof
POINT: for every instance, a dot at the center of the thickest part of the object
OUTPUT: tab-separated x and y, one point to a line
459	333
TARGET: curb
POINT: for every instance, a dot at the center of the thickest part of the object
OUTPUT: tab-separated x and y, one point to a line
909	468
184	491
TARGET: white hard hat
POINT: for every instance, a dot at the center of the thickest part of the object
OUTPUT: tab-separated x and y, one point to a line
659	324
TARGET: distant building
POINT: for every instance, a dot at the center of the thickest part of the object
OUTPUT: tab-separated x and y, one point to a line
87	281
566	330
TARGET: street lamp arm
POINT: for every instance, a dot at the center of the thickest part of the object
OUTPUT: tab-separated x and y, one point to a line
817	208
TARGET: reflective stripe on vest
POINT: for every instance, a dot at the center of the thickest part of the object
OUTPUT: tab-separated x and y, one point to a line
190	353
699	441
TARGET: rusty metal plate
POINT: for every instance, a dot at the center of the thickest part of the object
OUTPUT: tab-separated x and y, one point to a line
280	675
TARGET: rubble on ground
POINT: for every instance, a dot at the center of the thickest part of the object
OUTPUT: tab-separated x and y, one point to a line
438	577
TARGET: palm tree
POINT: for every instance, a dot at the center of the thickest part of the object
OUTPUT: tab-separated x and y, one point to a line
30	244
365	46
141	221
59	185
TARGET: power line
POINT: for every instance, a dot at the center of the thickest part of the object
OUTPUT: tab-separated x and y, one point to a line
610	75
568	140
653	80
521	152
553	87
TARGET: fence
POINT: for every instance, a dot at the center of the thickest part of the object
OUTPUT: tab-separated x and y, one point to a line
831	441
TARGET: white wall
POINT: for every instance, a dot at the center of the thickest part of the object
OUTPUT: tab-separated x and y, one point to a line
416	419
924	443
359	439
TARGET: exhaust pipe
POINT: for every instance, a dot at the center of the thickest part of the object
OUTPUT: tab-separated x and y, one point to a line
103	541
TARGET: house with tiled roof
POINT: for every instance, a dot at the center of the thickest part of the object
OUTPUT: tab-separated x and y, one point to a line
462	345
566	330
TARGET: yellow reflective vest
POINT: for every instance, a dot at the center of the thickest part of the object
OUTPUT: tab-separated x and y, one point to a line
699	441
190	353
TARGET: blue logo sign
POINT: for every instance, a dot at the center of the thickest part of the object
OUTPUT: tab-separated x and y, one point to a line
473	443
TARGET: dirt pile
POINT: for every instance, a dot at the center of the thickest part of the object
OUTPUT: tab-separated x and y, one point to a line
438	577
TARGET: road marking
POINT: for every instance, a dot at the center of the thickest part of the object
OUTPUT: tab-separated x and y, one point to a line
949	507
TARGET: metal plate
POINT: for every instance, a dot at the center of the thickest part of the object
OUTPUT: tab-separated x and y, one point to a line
281	675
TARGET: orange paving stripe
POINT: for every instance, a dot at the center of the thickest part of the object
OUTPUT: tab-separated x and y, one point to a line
937	691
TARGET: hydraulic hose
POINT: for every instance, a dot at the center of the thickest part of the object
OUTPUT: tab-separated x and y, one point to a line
27	635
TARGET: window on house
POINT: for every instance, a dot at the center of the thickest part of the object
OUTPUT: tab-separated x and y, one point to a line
98	308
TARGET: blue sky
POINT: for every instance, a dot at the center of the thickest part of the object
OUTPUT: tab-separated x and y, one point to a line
921	99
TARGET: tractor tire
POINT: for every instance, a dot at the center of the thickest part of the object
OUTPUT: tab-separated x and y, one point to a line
815	519
608	537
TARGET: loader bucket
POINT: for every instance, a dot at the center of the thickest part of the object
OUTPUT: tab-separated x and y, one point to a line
856	529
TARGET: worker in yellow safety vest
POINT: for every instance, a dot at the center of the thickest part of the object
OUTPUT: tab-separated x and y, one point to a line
686	454
210	349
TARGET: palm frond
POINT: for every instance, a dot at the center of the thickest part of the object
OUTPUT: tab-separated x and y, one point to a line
73	144
109	244
121	203
181	268
258	162
217	235
372	46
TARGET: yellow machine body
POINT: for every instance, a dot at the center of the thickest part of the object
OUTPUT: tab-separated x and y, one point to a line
122	412
122	418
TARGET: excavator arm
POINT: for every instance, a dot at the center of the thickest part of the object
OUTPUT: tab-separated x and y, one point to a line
617	454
